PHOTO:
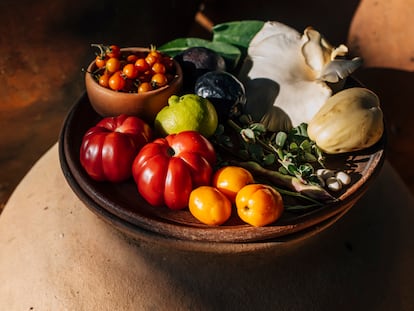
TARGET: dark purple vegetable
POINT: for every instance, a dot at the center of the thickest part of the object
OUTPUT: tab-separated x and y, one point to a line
196	61
224	91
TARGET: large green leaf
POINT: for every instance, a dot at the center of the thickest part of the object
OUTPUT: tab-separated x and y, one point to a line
230	53
230	40
176	46
238	33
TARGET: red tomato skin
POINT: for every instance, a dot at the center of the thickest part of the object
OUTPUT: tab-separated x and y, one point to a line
200	168
168	169
113	51
152	179
178	184
109	148
192	140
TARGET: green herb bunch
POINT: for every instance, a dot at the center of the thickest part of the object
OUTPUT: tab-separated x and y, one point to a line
293	151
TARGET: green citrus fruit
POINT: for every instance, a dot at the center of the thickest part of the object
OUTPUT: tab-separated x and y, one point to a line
189	112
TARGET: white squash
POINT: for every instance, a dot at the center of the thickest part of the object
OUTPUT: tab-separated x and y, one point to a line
350	120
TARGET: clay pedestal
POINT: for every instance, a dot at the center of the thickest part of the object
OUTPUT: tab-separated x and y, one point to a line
57	255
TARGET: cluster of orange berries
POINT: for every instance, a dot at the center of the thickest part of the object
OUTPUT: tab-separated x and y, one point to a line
133	72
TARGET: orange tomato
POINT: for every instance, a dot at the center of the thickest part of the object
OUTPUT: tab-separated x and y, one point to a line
144	87
209	205
113	65
230	179
159	80
259	204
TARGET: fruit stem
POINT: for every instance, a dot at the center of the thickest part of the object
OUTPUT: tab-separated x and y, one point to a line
293	183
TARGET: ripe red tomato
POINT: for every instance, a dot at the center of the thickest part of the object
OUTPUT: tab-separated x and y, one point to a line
168	169
113	51
109	148
100	61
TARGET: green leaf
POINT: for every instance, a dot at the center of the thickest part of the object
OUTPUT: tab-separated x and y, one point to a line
245	119
258	127
283	170
309	157
269	159
176	46
281	139
292	169
248	135
293	146
306	170
302	130
229	52
256	151
238	33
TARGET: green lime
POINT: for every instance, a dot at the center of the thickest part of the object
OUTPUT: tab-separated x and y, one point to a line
185	113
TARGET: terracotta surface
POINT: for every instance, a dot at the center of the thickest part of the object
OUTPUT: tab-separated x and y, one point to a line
57	255
379	32
46	44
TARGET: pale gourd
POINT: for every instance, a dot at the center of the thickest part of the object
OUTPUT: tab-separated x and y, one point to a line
350	120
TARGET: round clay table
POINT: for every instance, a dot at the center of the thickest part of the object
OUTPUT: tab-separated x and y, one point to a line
55	254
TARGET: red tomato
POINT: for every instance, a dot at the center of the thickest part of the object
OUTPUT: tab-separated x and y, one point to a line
113	51
100	61
109	148
168	169
113	64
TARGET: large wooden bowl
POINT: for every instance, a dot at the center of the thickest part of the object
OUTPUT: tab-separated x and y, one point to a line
123	207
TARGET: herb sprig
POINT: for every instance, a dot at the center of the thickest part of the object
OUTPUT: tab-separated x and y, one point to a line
296	154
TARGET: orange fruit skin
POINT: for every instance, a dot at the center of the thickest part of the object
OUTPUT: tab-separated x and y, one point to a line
259	204
209	205
230	179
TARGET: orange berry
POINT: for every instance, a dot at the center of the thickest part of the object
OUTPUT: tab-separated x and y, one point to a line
142	65
144	87
130	71
158	68
259	204
159	80
230	179
209	205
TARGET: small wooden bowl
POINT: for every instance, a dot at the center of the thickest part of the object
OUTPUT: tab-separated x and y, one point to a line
107	102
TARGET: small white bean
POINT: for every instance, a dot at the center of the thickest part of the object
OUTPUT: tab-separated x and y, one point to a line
333	184
325	173
343	177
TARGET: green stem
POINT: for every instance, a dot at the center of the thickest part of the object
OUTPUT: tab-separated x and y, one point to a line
310	190
300	207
